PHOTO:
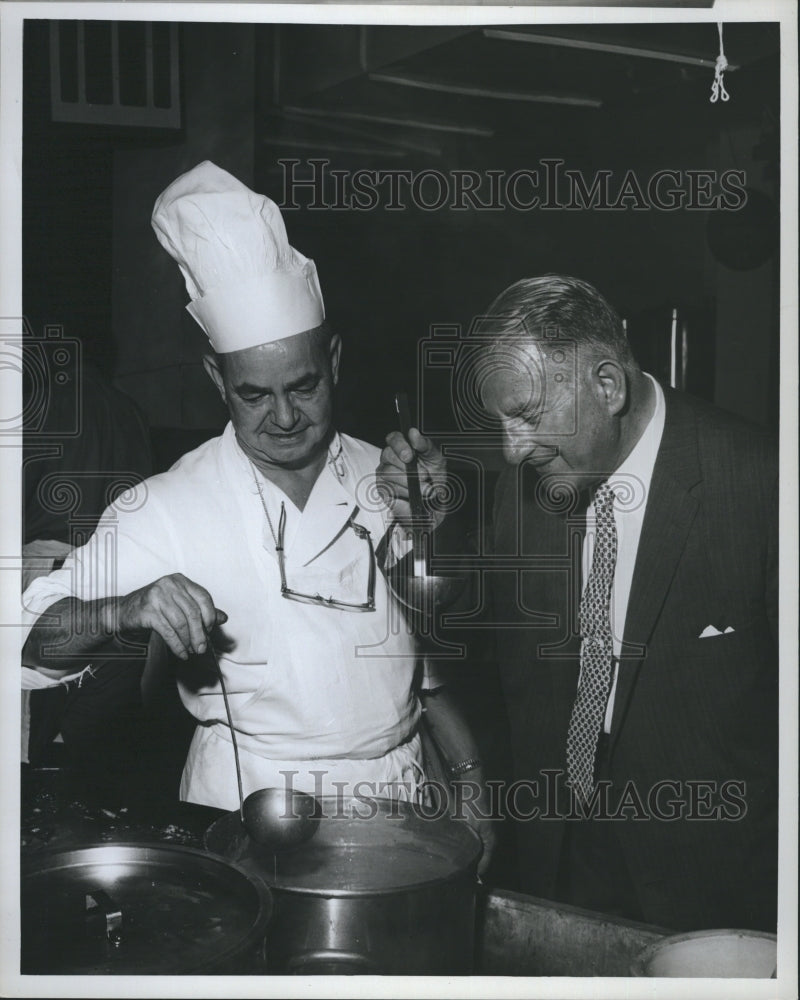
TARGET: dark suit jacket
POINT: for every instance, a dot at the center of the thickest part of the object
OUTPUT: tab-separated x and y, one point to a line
695	723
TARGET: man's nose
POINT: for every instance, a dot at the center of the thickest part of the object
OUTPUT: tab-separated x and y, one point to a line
517	442
284	414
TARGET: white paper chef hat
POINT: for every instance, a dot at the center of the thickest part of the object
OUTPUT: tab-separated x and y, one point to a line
247	285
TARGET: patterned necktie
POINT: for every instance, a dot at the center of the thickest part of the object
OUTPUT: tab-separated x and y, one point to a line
596	649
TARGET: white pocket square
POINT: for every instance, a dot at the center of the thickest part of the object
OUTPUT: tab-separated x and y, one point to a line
712	630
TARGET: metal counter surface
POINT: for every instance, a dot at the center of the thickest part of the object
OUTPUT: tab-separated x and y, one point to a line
521	935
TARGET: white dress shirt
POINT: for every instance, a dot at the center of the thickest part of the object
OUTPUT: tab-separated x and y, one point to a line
631	485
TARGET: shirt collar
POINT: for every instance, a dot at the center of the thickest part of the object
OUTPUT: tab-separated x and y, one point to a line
336	461
330	505
336	457
635	473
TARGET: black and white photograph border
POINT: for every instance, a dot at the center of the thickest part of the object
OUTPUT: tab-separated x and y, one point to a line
436	212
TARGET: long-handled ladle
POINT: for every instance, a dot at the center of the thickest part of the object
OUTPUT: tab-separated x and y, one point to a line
421	591
279	818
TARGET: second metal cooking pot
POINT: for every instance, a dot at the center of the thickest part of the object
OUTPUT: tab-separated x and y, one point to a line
382	888
139	909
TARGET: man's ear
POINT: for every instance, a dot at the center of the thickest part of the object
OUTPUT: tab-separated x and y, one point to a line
211	365
335	356
611	383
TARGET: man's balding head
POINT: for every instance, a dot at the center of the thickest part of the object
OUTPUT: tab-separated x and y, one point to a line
553	365
558	307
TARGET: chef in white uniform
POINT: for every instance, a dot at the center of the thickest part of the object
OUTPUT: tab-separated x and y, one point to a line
262	541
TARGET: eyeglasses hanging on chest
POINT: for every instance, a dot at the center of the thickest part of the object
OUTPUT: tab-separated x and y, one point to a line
296	595
329	602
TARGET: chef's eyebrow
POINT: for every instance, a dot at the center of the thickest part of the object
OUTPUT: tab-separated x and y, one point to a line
304	382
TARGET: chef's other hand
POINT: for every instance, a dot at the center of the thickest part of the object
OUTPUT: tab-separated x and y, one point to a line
181	611
486	831
392	474
481	821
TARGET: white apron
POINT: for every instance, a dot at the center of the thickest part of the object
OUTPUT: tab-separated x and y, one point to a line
312	689
209	777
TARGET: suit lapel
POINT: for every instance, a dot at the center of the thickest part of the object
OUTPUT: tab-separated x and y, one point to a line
671	509
559	536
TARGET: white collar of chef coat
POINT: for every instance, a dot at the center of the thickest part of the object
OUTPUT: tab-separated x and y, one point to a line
631	481
330	505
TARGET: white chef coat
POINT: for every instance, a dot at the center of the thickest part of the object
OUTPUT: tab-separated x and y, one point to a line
631	485
311	688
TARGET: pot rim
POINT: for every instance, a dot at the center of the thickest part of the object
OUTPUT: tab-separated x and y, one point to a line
468	868
139	850
640	963
398	890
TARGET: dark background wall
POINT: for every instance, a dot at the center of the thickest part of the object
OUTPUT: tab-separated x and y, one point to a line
92	262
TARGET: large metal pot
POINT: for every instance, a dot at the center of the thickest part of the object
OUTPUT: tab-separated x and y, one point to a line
140	909
381	889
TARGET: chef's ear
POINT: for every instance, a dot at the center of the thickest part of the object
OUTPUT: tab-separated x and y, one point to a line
213	366
335	355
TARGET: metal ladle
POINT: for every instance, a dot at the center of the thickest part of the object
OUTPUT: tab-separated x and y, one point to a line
279	818
420	591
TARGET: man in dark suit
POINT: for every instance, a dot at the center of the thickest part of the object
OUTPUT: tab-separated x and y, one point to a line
634	598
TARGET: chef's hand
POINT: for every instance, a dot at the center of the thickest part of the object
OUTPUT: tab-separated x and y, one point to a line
486	832
392	474
179	610
479	818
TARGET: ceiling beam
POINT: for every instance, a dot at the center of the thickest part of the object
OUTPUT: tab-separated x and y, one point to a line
308	59
494	93
614	48
403	121
324	146
320	121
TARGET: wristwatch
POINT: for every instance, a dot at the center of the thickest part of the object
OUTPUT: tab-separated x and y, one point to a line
468	764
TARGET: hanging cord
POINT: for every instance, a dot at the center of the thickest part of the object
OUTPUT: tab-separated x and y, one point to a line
718	91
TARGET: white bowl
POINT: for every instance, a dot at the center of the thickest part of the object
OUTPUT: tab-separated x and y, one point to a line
724	954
